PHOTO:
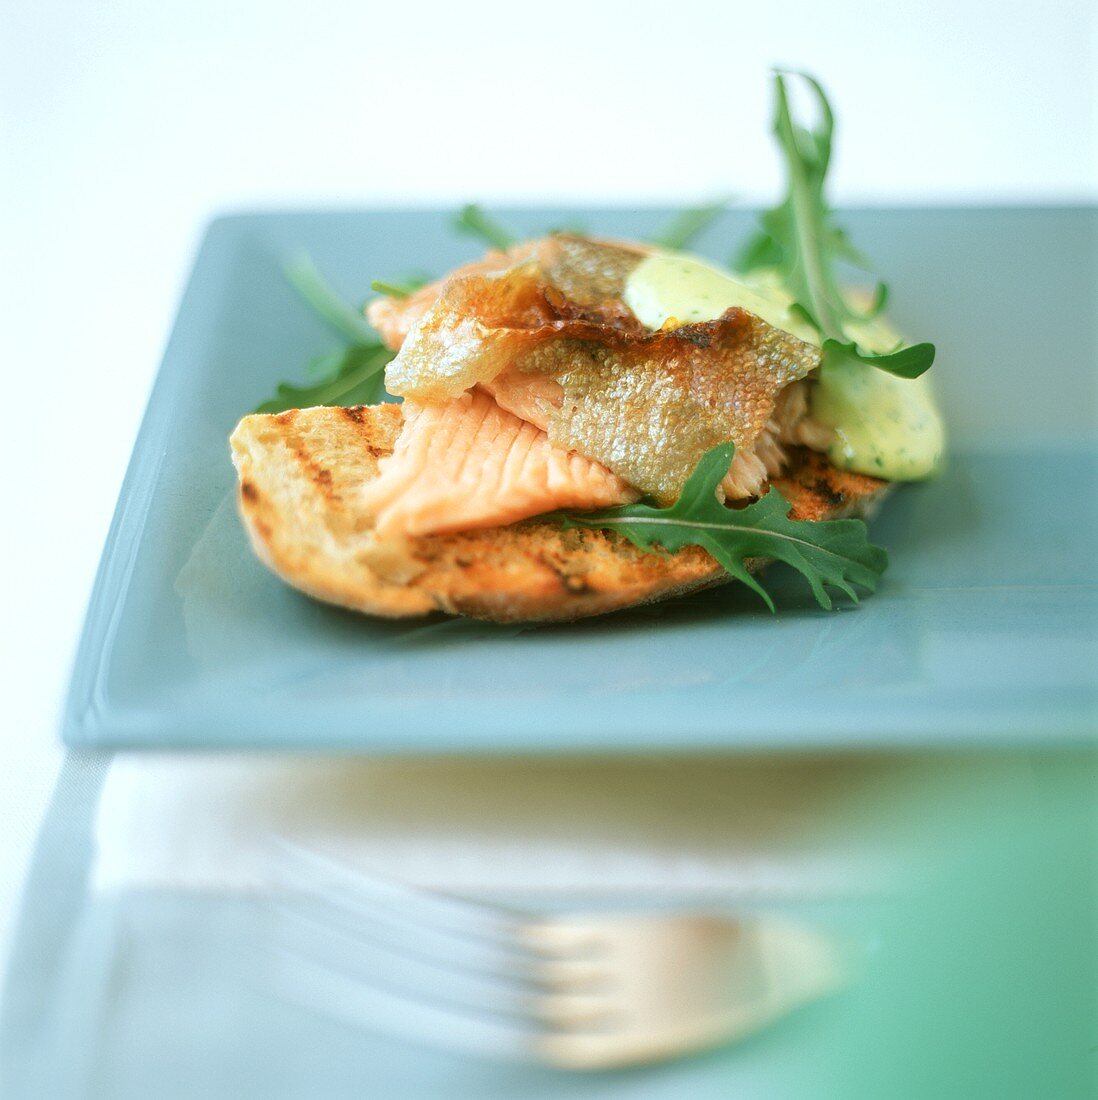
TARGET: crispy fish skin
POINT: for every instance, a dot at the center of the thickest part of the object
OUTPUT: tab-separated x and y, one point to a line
536	398
586	271
649	409
591	272
647	405
483	322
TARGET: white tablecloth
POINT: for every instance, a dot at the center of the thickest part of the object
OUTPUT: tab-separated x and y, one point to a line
748	828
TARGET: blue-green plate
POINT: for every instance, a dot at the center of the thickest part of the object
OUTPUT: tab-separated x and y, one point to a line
984	629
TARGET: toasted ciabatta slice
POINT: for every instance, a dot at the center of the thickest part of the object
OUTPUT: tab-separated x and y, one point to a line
299	475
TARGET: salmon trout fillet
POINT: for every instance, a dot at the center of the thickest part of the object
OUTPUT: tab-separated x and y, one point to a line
646	405
466	463
536	398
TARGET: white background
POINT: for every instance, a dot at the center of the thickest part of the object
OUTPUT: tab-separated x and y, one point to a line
123	126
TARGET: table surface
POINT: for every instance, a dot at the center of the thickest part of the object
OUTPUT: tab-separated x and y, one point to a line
111	980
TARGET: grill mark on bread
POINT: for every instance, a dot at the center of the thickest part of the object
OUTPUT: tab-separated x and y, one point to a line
356	415
320	476
817	490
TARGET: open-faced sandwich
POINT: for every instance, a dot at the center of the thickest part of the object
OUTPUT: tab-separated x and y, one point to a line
590	424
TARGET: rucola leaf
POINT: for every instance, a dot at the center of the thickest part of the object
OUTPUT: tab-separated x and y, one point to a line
800	239
356	377
352	375
473	220
399	288
908	362
830	554
311	285
688	224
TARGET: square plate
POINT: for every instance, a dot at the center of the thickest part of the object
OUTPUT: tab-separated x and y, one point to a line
983	631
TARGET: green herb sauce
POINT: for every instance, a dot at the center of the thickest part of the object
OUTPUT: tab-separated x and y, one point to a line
882	425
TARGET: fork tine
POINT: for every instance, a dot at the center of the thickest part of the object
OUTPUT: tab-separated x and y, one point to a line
407	937
453	935
570	1012
393	965
320	989
351	889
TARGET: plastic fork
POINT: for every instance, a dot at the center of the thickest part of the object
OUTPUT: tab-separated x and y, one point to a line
586	991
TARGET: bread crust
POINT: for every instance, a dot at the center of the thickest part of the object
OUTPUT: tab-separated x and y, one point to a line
299	472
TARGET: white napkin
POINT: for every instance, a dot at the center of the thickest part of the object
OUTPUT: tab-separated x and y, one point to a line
733	828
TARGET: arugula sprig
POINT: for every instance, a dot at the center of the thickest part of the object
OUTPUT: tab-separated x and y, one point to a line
831	554
683	229
400	288
689	224
801	239
304	277
473	220
352	375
